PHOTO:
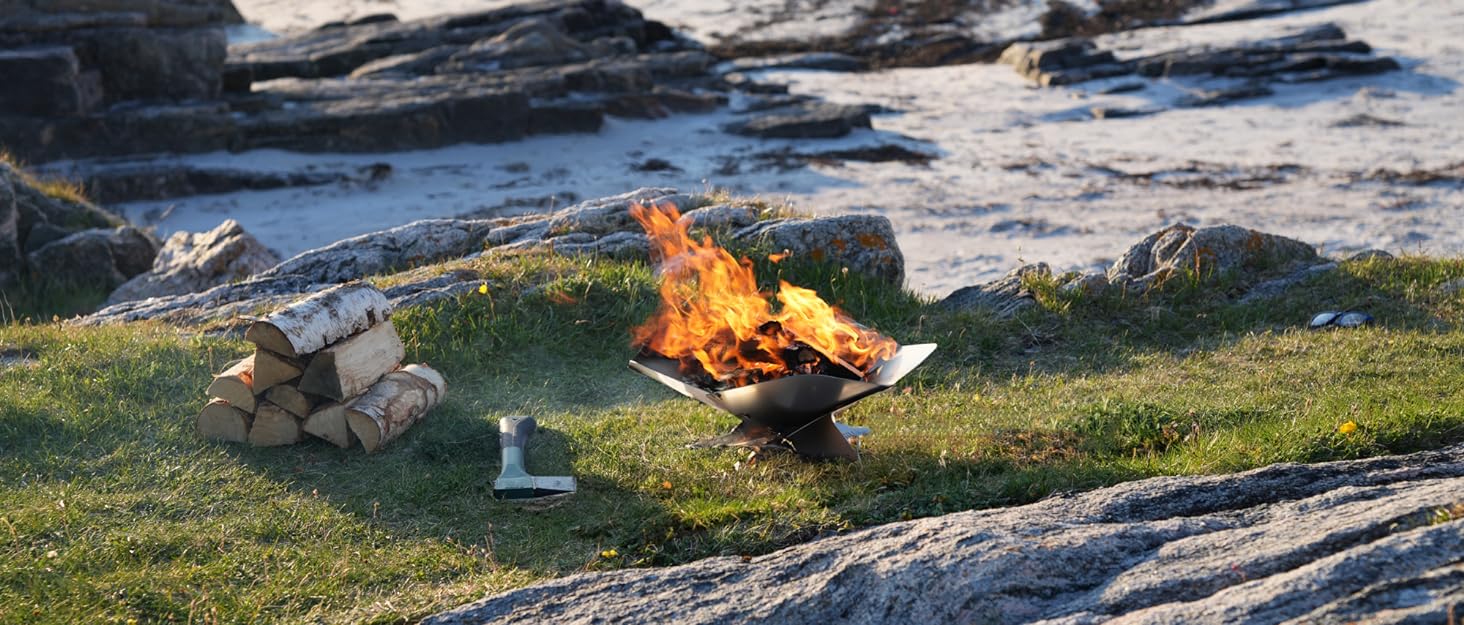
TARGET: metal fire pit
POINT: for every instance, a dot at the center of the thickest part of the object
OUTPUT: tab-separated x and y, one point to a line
794	411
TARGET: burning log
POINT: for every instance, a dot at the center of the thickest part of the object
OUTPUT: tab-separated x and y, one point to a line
235	385
349	367
220	421
309	325
722	328
393	404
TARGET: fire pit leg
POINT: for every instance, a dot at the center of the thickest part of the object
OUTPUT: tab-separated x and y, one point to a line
821	439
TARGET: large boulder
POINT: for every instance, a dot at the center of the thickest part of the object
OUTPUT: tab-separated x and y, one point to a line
99	257
191	262
417	243
1376	541
30	218
1207	253
862	243
54	82
1003	297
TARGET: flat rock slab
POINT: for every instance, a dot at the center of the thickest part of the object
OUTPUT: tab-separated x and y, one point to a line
1353	541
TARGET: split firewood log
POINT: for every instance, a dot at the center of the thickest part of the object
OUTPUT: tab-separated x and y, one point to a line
349	367
393	404
324	318
329	422
273	426
291	399
271	369
220	421
236	385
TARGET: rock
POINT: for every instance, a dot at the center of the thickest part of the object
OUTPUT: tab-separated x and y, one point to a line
402	247
156	181
529	43
1452	287
1207	252
46	15
102	257
1276	287
1373	254
10	242
1003	297
827	61
612	214
804	121
1316	53
1351	541
159	63
192	262
1088	284
721	216
53	79
221	303
862	243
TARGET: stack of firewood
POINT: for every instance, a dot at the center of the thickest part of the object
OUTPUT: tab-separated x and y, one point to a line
330	366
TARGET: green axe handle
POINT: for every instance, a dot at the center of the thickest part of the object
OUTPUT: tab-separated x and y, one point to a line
513	437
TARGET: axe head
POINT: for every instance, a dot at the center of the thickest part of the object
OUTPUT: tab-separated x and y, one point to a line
531	487
514	482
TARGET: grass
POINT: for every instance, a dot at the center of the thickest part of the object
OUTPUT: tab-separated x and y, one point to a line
111	510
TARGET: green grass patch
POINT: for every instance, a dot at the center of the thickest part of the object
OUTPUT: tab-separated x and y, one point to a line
114	511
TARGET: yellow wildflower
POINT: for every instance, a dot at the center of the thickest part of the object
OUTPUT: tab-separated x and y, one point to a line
1347	428
609	553
483	288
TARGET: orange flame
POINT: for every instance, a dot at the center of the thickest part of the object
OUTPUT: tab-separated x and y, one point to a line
714	319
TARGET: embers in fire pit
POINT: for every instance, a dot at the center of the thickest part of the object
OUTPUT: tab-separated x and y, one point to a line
793	357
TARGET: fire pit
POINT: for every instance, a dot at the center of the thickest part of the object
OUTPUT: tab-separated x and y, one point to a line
795	411
784	371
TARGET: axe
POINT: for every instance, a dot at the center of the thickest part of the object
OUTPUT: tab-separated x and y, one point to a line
513	481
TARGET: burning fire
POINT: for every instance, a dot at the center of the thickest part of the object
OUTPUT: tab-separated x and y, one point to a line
715	321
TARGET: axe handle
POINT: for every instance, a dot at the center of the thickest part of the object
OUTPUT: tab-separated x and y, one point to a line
515	431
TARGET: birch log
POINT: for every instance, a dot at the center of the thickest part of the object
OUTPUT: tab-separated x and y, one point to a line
392	405
329	422
321	319
291	399
236	385
349	367
274	427
271	369
220	421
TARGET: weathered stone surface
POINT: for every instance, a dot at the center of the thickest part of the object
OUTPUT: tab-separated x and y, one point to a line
192	262
813	120
1089	283
1353	541
529	43
150	181
828	61
157	63
612	214
39	218
402	247
1003	297
53	84
10	241
1278	286
1316	53
1206	252
862	243
721	216
50	15
98	256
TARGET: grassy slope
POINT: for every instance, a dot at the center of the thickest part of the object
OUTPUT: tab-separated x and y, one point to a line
112	510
